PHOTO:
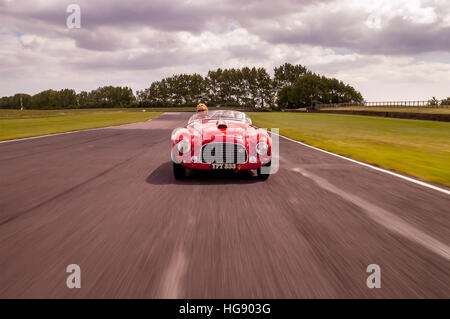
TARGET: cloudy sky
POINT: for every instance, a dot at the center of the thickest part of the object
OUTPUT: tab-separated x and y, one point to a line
387	49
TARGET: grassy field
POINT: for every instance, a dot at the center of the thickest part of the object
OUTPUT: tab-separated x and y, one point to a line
18	124
429	110
5	114
416	148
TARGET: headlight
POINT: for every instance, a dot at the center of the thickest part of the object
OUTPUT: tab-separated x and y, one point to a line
262	148
184	146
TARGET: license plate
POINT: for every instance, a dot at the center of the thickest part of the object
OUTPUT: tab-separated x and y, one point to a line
223	166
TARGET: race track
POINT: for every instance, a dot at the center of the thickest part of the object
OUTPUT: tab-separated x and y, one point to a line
106	200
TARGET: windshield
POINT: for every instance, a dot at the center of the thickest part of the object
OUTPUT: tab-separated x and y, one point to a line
221	115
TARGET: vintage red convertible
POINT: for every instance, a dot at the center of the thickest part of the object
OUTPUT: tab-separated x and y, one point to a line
221	140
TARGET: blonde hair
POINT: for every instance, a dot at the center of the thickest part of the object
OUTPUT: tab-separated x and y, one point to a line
203	107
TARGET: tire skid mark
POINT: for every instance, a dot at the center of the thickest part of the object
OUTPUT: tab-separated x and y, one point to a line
23	212
384	217
58	148
69	190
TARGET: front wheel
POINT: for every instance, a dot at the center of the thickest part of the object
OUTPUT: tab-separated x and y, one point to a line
265	175
179	171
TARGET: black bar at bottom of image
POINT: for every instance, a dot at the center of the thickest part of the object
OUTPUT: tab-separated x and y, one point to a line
224	308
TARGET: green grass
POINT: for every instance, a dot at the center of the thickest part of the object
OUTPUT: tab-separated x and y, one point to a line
416	148
19	124
430	110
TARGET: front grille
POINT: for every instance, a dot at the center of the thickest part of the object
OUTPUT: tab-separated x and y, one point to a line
218	152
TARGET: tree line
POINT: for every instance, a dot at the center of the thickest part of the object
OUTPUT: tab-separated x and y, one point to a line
103	97
435	102
291	86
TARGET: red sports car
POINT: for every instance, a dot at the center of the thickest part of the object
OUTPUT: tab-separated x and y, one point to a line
221	140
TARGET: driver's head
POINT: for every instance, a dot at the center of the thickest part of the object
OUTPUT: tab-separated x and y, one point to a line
202	108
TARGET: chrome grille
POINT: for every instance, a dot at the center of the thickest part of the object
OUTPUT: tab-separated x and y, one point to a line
217	152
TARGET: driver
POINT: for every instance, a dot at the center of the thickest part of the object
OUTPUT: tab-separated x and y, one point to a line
202	109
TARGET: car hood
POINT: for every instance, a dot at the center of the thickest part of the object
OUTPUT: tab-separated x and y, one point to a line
214	128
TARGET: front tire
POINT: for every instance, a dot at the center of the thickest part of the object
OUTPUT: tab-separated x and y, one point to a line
262	176
179	171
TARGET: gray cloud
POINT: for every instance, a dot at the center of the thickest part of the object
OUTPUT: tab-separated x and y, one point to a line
347	30
197	35
344	28
167	15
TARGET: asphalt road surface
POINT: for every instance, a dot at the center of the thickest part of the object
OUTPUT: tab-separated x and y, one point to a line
106	200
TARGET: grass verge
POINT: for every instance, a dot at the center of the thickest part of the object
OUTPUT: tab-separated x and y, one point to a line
27	123
416	148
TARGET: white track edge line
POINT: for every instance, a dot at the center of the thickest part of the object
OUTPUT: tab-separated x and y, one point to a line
287	138
64	133
409	179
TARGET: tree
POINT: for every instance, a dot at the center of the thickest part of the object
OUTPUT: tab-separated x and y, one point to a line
14	101
107	96
66	98
212	86
4	102
83	99
45	100
264	88
287	74
433	101
249	87
312	88
445	102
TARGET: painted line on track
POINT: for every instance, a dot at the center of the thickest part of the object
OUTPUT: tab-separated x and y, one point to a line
65	133
409	179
